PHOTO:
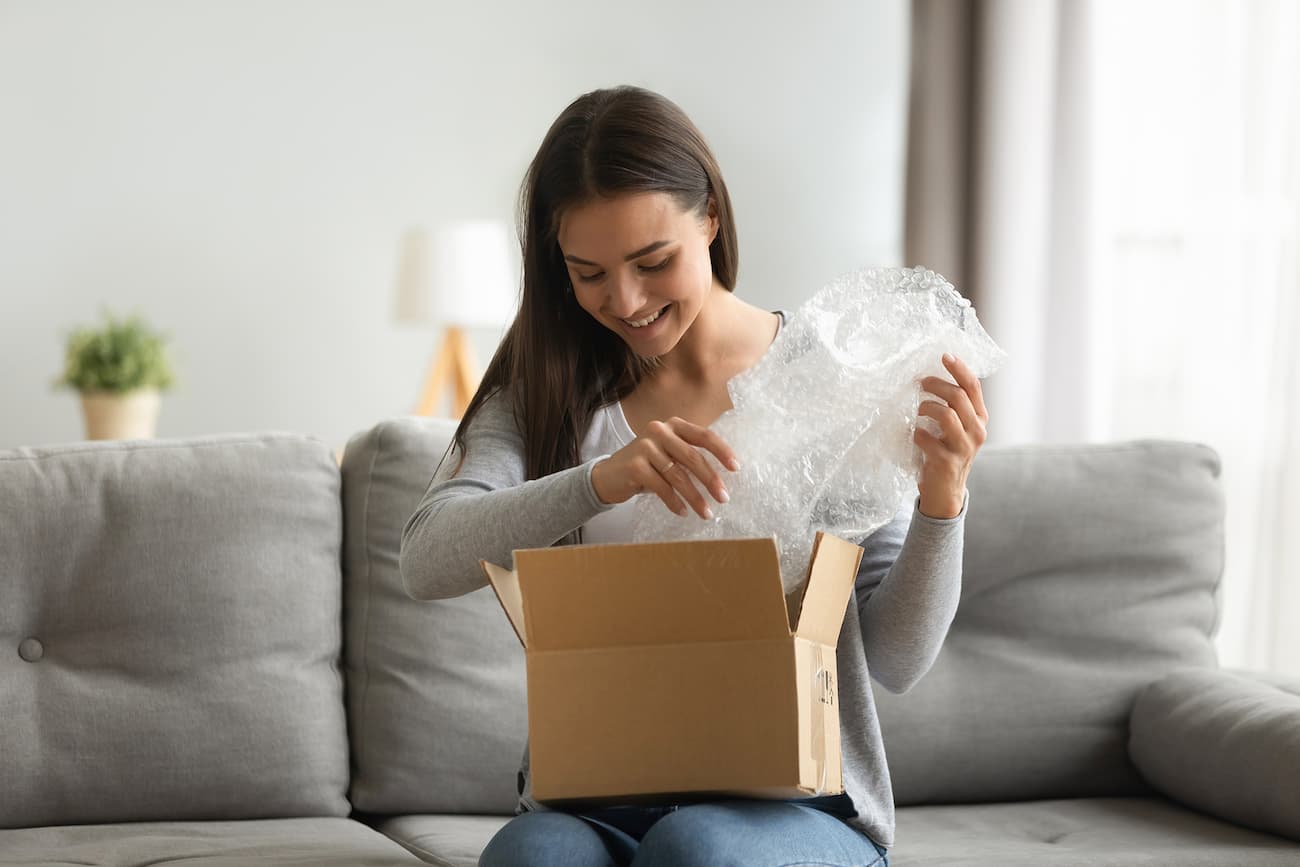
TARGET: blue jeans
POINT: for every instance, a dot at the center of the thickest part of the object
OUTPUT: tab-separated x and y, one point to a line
721	834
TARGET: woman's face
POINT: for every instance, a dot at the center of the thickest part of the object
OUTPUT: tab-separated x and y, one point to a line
639	265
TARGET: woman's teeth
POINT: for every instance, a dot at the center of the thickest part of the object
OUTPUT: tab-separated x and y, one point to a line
642	323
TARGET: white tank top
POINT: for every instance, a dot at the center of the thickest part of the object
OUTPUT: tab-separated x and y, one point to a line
608	433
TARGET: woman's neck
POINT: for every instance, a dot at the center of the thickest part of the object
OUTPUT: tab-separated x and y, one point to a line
727	337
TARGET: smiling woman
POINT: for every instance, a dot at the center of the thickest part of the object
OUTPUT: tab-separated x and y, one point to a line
624	213
605	388
647	294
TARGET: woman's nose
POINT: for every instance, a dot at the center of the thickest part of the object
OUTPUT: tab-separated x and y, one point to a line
625	296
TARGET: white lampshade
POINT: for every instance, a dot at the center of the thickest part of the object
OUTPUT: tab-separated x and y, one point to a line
460	274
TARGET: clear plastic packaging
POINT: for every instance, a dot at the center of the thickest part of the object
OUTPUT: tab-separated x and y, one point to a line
823	423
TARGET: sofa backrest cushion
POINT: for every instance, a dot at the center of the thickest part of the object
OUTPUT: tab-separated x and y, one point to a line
1090	571
170	614
436	697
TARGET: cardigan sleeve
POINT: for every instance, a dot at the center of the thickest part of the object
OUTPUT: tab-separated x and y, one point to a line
908	587
484	509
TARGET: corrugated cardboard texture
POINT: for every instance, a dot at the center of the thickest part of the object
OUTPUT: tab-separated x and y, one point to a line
671	669
658	593
681	717
819	718
506	586
826	593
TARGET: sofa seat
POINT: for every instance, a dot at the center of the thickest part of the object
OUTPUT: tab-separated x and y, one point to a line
1097	832
315	842
444	839
1089	832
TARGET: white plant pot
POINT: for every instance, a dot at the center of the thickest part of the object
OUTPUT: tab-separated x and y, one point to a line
131	415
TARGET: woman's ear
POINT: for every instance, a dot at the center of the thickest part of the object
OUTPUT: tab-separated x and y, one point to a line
711	215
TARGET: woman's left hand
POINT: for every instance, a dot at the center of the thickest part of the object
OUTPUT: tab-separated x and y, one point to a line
964	423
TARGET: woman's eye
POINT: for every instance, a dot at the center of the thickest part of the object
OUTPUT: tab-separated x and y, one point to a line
588	278
659	267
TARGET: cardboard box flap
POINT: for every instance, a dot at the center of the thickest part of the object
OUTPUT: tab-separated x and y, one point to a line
831	573
578	596
506	586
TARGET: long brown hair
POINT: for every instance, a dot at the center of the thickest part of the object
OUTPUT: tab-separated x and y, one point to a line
557	363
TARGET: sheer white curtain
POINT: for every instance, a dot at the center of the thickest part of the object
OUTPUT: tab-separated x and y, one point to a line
999	193
1116	187
1196	109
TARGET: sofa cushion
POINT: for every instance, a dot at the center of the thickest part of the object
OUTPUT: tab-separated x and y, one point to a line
314	841
1224	742
170	616
1090	571
1098	832
436	701
1103	831
445	840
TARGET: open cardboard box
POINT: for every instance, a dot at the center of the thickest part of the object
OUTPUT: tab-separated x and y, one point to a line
679	670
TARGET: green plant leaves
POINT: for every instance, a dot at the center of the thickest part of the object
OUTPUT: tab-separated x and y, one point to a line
121	356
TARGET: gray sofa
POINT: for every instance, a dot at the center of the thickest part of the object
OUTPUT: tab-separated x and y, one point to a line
210	658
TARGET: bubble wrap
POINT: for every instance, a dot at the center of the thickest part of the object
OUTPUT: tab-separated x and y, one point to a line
823	423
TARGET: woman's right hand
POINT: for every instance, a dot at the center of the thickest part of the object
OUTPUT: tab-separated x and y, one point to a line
666	460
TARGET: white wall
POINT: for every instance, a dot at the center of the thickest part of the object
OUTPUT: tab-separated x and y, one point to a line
240	173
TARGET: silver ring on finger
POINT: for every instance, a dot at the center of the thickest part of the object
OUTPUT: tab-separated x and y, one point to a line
667	467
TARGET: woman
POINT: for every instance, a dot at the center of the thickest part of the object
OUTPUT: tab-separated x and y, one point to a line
603	389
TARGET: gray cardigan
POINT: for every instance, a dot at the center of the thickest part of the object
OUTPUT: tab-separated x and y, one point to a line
904	598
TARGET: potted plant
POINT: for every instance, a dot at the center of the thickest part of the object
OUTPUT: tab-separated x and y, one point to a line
120	370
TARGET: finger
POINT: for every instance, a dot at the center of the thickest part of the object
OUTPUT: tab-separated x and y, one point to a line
691	460
677	441
680	480
954	435
957	398
932	447
660	487
967	379
663	449
651	479
928	442
705	439
691	463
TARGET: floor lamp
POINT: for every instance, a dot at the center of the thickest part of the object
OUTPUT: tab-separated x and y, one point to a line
459	276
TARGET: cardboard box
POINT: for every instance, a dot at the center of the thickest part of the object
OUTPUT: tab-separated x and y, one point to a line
674	671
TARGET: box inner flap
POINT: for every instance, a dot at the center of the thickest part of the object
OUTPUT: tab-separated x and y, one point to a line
665	592
506	586
830	583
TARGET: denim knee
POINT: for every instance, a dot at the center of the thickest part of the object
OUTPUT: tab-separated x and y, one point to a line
546	838
685	838
749	834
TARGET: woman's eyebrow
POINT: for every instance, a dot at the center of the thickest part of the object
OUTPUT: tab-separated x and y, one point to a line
648	248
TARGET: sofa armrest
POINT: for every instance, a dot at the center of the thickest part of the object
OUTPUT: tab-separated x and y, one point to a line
1223	742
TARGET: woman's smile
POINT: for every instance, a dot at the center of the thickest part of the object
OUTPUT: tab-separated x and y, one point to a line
639	264
648	325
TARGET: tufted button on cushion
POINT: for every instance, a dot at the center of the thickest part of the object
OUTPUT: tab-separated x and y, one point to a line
192	584
31	650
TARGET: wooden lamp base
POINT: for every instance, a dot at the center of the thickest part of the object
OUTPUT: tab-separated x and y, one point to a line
453	361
